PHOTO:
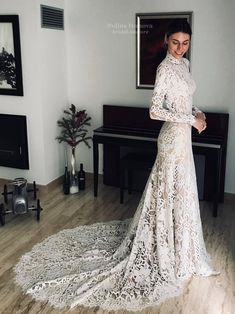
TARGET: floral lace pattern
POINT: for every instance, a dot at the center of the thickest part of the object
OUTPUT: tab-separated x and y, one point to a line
172	95
139	262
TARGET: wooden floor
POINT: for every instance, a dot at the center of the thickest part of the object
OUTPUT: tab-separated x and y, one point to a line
213	295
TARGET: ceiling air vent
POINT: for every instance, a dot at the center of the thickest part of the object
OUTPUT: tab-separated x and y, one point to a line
52	17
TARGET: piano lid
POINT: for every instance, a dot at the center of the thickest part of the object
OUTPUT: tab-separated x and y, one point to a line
124	117
136	119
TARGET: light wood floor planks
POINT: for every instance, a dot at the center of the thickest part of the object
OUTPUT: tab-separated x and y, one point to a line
213	295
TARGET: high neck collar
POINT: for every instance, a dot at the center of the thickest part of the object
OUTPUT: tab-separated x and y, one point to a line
173	59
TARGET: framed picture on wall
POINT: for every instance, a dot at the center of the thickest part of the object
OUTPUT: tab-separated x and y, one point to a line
10	56
150	44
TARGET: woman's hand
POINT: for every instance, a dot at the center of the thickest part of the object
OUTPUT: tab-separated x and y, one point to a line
201	115
199	124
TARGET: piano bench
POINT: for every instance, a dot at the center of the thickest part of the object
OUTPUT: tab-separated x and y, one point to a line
132	162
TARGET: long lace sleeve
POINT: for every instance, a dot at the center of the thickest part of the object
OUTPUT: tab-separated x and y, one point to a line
160	108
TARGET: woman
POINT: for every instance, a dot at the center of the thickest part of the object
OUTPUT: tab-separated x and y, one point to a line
138	263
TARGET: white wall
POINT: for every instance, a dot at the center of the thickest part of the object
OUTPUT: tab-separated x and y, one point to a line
54	96
102	63
45	90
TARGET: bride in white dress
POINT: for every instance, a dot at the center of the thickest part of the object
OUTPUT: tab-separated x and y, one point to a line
136	263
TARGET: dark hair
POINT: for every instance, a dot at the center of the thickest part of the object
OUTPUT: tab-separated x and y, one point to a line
179	25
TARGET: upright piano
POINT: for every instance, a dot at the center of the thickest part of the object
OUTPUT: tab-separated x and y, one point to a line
125	126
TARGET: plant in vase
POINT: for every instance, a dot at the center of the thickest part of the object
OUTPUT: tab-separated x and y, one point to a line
74	131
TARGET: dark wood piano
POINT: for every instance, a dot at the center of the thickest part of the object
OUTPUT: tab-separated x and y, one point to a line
125	126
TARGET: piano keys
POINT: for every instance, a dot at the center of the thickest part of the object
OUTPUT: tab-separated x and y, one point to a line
125	126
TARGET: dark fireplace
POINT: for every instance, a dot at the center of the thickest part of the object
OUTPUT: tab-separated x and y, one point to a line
13	141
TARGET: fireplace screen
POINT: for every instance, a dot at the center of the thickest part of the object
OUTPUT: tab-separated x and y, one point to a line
13	141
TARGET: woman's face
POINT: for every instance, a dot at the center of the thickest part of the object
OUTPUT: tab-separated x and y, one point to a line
178	44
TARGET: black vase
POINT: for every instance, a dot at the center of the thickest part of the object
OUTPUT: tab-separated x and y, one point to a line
66	181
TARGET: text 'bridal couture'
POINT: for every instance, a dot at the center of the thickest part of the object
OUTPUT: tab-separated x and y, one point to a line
140	262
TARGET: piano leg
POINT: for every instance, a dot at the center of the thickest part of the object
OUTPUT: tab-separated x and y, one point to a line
122	183
217	183
215	208
95	165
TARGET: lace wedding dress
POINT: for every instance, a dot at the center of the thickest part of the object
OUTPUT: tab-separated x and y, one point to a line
140	262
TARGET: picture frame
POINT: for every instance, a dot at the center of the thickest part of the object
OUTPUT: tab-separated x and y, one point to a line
150	44
11	82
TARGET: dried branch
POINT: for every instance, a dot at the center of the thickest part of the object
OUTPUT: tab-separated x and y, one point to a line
72	126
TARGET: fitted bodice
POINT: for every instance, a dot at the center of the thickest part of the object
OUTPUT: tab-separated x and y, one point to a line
172	95
180	85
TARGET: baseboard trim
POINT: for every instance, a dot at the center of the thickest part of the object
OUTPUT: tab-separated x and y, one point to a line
45	189
50	186
58	181
4	181
229	196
